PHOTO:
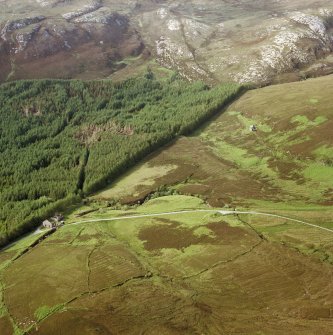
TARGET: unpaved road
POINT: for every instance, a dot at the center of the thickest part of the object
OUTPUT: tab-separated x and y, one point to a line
223	212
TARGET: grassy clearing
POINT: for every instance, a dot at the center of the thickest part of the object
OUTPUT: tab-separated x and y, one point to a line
247	122
44	311
304	122
156	205
320	173
313	101
258	166
137	66
23	243
172	203
128	228
232	153
144	175
324	152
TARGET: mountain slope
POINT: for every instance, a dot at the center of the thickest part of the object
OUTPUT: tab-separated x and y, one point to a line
244	41
287	160
58	39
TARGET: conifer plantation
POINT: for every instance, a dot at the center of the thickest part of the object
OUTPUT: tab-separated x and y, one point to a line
61	140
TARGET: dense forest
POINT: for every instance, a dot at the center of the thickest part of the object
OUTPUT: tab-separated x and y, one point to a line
61	140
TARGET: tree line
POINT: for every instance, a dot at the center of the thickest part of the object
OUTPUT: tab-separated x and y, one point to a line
61	140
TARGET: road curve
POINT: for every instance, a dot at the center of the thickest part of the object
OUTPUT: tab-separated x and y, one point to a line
223	212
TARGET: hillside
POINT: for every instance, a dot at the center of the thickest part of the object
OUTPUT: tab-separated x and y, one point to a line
260	41
62	139
166	167
182	243
64	39
287	160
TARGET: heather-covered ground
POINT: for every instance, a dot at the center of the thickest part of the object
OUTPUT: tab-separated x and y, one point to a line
153	254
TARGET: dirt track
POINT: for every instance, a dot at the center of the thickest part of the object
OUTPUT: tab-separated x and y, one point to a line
223	212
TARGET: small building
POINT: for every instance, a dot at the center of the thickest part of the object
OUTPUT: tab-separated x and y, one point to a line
56	221
253	127
47	224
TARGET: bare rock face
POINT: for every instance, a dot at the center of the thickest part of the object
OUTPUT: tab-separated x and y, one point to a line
244	41
64	39
248	41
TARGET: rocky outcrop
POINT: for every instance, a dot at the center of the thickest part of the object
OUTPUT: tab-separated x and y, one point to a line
299	40
201	44
87	42
86	9
103	16
13	25
245	41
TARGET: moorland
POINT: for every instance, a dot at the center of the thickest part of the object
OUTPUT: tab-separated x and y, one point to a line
178	244
196	198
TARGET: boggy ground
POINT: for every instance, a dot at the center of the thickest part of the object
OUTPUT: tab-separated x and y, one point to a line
190	273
